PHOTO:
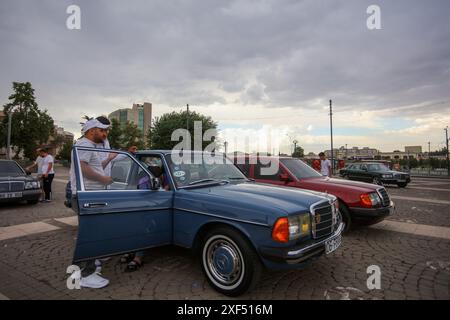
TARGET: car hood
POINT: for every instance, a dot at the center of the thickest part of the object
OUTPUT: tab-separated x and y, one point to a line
352	185
266	197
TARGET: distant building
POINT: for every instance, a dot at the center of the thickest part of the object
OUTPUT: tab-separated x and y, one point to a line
411	152
353	153
413	149
139	114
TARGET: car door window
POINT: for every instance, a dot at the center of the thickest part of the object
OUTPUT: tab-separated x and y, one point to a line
121	173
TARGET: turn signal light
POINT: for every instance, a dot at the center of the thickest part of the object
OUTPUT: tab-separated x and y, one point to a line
280	231
366	201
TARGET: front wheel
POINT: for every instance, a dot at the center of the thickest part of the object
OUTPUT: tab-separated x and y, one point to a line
229	262
377	181
345	217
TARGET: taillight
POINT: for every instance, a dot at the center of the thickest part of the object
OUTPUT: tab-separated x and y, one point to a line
280	231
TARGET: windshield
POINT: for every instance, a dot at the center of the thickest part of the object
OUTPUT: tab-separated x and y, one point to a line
10	168
300	169
189	173
377	167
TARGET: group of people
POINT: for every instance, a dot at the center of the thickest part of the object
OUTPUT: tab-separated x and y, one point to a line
45	172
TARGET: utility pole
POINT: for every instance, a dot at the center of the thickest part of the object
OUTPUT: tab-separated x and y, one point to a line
429	159
187	117
8	143
226	147
295	145
446	143
331	131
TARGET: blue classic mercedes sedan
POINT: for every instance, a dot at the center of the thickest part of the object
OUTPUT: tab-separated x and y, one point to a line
205	203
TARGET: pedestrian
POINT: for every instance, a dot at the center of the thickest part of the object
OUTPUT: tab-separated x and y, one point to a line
94	177
325	165
38	163
48	173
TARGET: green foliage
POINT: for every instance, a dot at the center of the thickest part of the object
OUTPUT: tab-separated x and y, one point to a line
298	153
65	152
30	126
160	135
123	137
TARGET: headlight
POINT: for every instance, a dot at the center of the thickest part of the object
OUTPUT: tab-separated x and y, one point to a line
335	211
291	228
32	185
387	175
370	200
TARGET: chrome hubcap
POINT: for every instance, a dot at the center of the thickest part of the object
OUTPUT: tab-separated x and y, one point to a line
224	261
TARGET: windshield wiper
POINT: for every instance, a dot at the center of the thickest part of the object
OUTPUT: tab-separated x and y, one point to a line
206	180
235	178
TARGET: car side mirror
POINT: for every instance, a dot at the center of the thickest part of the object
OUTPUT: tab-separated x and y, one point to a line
364	169
28	172
155	183
285	177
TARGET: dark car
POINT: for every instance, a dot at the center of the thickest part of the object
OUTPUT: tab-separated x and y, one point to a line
16	185
376	173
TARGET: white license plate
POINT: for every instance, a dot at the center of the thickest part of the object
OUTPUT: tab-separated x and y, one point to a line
10	195
332	244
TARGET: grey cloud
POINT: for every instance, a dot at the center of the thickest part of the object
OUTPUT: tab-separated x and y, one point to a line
177	52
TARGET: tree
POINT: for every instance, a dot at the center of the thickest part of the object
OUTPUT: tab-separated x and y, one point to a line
29	126
66	151
298	153
131	136
115	132
160	135
123	137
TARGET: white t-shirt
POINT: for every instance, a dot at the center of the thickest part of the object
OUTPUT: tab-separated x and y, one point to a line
94	159
39	164
46	163
325	166
104	155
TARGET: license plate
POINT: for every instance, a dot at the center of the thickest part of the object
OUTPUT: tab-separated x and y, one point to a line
332	244
10	195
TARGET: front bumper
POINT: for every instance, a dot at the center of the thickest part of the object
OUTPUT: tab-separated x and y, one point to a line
300	254
395	180
31	194
372	213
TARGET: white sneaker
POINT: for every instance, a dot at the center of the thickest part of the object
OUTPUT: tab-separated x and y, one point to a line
94	281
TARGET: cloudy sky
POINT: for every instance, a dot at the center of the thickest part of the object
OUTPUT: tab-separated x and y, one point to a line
264	70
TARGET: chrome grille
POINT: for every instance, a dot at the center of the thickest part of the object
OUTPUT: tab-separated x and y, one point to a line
384	197
322	220
11	186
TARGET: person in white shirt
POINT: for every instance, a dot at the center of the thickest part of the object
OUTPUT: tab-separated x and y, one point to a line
93	166
38	163
48	173
325	165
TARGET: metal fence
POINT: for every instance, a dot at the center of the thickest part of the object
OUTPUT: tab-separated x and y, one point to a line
429	172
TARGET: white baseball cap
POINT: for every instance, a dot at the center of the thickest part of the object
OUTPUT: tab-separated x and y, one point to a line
93	123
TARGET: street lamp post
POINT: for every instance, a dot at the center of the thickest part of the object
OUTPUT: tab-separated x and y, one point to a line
331	133
295	145
446	143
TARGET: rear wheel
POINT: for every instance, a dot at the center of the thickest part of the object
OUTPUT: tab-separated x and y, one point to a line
229	262
402	184
32	201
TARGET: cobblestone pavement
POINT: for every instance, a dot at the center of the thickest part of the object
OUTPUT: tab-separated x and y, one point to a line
412	267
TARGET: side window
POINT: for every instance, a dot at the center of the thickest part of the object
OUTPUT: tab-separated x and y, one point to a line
363	167
259	175
356	167
154	164
245	168
122	172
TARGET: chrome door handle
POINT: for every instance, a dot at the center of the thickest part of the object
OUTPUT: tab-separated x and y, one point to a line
95	204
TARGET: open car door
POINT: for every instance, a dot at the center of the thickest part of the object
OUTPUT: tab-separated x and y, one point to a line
129	214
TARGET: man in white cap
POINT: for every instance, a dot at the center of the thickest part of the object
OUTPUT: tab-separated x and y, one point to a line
93	166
